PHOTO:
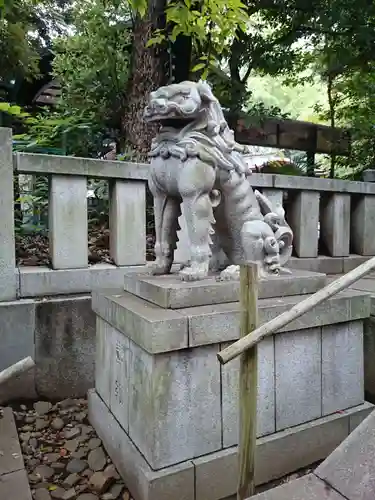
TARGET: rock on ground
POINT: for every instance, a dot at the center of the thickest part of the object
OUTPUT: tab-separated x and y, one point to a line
64	458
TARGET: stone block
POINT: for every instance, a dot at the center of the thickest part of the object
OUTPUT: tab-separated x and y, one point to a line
369	356
350	469
36	281
119	396
308	487
17	324
8	284
342	366
143	483
356	418
362	239
214	476
303	218
365	284
352	262
127	220
64	347
174	405
103	372
276	455
31	163
300	446
320	264
335	224
220	323
149	326
302	183
21	387
68	222
171	293
274	195
266	394
112	370
160	330
298	377
15	485
11	457
368	175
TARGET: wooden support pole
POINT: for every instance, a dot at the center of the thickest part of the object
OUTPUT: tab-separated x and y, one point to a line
248	383
250	340
16	369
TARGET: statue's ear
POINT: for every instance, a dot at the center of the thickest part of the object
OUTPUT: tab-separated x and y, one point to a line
205	91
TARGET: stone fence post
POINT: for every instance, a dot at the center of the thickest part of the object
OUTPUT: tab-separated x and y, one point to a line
368	175
8	289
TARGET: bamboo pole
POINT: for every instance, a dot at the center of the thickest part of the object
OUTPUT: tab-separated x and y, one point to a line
248	341
16	369
248	383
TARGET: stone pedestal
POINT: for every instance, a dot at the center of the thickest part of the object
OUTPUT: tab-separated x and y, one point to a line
166	410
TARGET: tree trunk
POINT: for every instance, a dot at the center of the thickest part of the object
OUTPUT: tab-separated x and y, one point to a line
149	71
182	53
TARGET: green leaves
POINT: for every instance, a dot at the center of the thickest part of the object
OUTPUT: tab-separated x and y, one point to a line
139	6
212	21
92	67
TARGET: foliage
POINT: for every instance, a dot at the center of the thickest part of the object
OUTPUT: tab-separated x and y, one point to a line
298	101
356	110
18	50
26	29
92	65
209	24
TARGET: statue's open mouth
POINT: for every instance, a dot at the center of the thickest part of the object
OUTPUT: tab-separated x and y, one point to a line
174	122
159	110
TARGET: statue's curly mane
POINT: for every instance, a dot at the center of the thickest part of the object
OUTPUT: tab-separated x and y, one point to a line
205	135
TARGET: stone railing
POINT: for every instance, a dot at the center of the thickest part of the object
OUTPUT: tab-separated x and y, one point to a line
342	212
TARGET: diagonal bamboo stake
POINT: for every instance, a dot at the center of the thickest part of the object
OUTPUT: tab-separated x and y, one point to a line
295	312
16	369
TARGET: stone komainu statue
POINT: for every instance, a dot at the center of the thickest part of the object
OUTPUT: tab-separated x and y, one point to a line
195	160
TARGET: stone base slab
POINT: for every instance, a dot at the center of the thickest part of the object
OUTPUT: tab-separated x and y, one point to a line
214	476
326	264
162	330
40	281
308	487
170	292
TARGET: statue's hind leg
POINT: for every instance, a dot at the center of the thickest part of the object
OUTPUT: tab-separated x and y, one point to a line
166	213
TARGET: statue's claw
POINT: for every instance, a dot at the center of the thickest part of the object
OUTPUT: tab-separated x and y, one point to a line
231	273
159	266
194	272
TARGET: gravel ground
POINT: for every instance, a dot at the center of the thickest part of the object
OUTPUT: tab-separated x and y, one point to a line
64	457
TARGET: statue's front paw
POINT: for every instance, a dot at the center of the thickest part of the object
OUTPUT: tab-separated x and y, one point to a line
194	272
159	266
231	273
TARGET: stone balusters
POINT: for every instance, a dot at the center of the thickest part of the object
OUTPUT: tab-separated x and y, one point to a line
303	217
274	195
68	221
7	246
362	230
127	220
335	223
